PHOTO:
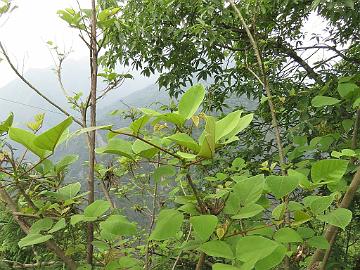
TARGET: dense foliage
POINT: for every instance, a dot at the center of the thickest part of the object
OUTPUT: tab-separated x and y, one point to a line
198	184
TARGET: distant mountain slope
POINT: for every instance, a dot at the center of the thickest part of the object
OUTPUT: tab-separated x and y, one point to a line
17	97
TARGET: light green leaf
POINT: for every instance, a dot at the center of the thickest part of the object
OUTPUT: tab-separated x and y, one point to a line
287	235
245	192
5	125
65	161
281	186
305	232
50	138
320	204
144	149
207	145
88	129
225	125
328	170
254	248
118	225
186	155
279	211
243	123
274	259
129	263
139	123
340	217
97	208
318	242
191	100
346	89
174	118
69	191
40	225
217	248
61	224
221	266
321	101
248	211
184	140
27	139
164	171
168	224
117	146
33	239
204	225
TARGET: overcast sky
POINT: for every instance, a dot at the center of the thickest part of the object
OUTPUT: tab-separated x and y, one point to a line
28	28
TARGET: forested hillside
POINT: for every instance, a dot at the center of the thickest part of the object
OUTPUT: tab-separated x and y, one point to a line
204	134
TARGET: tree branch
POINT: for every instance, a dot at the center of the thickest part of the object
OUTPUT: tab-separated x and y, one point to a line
33	87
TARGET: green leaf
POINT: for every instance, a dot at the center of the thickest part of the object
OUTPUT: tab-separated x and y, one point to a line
204	225
97	208
168	224
300	217
128	263
287	235
248	211
186	155
305	232
139	123
227	124
254	248
61	224
191	100
279	211
27	139
340	217
328	170
65	161
246	192
184	140
274	259
50	138
320	204
33	239
221	266
69	191
144	149
164	171
243	123
88	129
174	118
5	125
80	218
207	144
346	89
321	101
281	186
217	248
118	147
318	242
118	225
40	225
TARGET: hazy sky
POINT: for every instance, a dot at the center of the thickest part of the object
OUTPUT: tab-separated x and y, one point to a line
27	29
25	32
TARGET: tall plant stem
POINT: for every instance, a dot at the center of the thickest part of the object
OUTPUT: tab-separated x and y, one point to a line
92	134
265	83
263	80
332	231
